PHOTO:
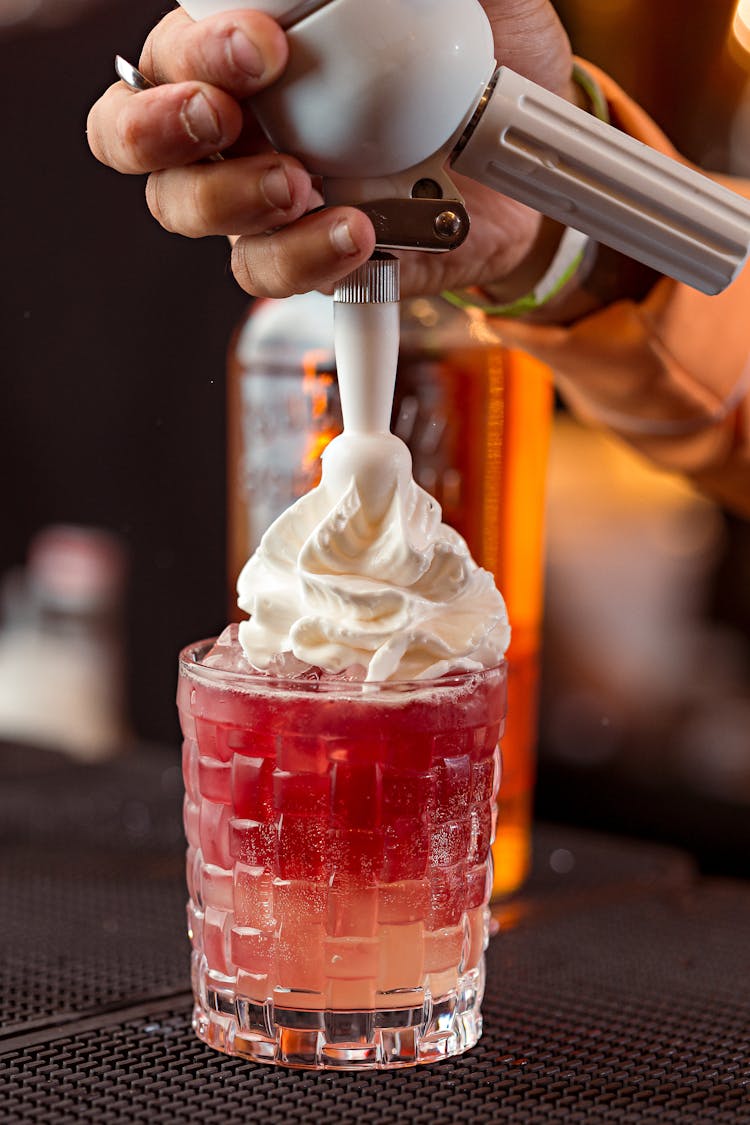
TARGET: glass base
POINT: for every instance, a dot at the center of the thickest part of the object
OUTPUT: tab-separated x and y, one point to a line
376	1039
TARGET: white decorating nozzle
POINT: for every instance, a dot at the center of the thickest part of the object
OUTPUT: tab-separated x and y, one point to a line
366	337
366	334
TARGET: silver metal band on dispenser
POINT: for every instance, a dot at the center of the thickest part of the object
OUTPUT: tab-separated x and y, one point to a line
377	282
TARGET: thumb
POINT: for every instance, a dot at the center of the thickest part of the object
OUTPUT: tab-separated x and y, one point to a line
530	39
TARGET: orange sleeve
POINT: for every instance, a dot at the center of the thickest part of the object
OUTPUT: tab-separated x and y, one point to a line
670	375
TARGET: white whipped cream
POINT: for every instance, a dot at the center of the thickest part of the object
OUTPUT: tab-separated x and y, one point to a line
362	571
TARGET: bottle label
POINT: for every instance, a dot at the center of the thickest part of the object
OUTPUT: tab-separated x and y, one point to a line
287	421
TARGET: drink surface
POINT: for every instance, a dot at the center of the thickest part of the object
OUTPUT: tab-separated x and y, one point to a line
338	863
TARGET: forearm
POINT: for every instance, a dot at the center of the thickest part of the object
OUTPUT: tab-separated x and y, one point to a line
658	363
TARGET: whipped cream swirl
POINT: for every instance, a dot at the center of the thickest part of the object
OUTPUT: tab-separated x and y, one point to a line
363	572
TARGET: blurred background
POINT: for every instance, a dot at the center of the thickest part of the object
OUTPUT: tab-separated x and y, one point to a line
112	448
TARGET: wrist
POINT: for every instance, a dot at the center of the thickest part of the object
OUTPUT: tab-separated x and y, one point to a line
533	265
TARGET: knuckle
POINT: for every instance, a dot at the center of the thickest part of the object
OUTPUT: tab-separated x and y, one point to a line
161	44
272	266
245	274
146	61
100	131
285	280
163	197
241	270
129	135
202	52
155	200
93	136
186	201
205	202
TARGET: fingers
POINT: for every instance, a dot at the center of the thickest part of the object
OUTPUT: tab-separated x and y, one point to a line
314	253
240	52
245	196
201	71
167	127
530	39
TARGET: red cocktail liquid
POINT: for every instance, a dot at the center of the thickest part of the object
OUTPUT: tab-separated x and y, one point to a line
338	862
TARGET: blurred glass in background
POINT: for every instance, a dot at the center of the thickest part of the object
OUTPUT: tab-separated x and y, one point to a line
61	645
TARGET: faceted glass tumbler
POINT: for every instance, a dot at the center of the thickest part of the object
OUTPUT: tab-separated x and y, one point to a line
338	862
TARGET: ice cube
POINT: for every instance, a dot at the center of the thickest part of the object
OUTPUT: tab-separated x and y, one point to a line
354	674
286	666
230	637
227	654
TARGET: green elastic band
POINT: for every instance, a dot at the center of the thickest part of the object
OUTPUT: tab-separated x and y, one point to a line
519	307
592	90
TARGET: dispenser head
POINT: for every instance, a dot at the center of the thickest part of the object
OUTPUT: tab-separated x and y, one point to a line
382	98
372	86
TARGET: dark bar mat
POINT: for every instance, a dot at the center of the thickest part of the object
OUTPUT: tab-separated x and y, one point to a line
76	940
635	1012
132	804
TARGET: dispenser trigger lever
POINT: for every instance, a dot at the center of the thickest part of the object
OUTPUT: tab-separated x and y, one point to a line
433	225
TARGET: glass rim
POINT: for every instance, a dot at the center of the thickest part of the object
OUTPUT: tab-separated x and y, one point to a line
190	664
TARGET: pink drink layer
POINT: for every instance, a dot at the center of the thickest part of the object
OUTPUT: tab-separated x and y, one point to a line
338	861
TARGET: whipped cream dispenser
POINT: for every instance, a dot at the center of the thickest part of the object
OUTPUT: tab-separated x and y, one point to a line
382	99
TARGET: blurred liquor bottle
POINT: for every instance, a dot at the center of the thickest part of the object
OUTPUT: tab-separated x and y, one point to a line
476	418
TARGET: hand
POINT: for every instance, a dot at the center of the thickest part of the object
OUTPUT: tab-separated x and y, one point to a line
205	73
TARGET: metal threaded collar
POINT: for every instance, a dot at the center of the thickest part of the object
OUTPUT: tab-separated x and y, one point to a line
377	282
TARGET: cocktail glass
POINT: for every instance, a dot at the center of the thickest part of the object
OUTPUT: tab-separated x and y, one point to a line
338	862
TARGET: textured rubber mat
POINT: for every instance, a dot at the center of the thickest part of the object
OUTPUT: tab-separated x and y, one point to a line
91	885
74	942
635	1013
132	804
618	988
